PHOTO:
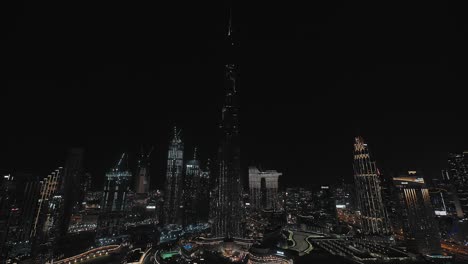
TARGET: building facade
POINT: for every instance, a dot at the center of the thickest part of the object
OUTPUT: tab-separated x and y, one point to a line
263	186
49	213
73	176
373	216
116	187
420	229
228	212
191	190
455	178
173	205
142	180
114	202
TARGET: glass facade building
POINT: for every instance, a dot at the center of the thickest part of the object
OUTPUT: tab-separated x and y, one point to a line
368	191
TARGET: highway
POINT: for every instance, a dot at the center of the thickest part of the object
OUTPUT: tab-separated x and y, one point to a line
89	255
458	251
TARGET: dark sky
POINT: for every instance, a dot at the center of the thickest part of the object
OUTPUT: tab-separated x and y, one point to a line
110	77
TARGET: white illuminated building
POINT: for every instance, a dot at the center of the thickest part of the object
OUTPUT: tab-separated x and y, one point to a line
263	187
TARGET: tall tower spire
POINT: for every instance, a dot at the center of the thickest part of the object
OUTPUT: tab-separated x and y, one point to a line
228	203
173	185
229	32
368	189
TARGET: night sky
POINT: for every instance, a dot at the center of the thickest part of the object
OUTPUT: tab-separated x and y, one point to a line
112	77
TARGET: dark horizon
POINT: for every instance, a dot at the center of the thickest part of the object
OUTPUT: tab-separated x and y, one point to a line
308	83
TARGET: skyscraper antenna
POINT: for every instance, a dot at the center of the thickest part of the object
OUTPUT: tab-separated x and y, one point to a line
151	151
230	22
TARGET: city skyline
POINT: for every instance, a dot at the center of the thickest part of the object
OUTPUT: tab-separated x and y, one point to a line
235	134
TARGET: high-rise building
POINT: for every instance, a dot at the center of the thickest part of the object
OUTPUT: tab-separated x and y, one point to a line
114	200
420	229
18	203
73	176
345	196
116	187
345	203
450	198
49	213
228	206
368	191
173	205
203	190
263	187
87	184
7	211
325	206
456	179
191	189
142	183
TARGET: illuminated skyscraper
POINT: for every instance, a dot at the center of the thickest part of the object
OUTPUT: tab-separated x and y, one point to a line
49	214
416	214
73	195
228	205
203	190
456	181
174	182
263	187
114	200
21	215
7	211
191	189
142	183
368	191
116	187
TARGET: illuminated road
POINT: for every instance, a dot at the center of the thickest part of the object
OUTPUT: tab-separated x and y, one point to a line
300	241
155	257
89	255
147	257
457	250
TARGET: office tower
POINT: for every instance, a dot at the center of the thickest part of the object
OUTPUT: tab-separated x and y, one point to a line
456	179
345	203
21	215
368	191
116	187
173	192
114	201
87	184
228	211
452	196
203	199
263	187
142	183
391	203
7	211
49	187
73	178
344	196
191	189
324	206
441	198
417	215
21	192
49	212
